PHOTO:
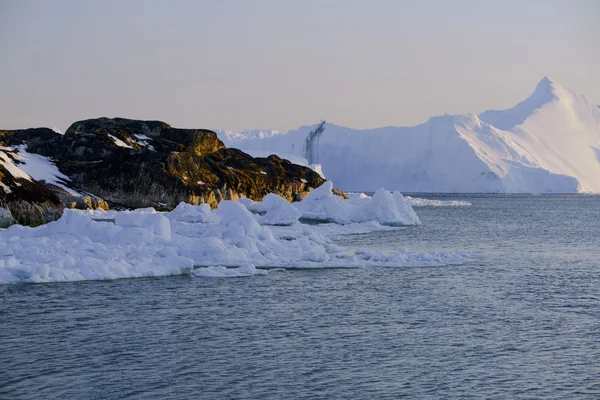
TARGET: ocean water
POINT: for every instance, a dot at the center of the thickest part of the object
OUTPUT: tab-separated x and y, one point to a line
521	320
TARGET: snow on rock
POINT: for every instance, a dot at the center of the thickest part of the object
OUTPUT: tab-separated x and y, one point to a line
32	166
142	140
10	165
41	168
549	143
419	202
227	242
119	142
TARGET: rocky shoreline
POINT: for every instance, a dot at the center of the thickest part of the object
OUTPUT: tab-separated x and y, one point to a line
117	162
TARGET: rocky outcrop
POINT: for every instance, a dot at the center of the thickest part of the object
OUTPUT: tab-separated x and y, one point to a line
131	163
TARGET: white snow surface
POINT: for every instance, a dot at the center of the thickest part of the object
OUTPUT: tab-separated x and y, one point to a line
230	241
119	142
549	143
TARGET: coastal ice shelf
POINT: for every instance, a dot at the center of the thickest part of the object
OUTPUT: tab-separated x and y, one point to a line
247	237
548	143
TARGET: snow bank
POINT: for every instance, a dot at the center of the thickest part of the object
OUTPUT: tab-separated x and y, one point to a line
418	202
230	241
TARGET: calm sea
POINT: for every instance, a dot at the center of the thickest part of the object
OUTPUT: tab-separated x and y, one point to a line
519	321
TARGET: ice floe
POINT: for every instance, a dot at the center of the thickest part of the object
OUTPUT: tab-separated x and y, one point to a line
236	239
419	202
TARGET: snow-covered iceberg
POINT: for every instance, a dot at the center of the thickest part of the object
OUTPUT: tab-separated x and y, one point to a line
230	241
549	143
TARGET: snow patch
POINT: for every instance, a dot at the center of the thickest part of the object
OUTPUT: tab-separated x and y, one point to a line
41	168
119	142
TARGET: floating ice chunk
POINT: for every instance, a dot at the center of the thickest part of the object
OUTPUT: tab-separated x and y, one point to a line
402	258
418	202
384	207
223	272
322	205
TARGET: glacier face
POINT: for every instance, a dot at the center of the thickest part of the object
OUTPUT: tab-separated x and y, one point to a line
548	143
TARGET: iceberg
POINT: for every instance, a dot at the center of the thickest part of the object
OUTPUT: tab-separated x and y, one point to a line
548	143
384	207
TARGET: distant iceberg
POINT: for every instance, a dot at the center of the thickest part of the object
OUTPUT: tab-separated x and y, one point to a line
548	143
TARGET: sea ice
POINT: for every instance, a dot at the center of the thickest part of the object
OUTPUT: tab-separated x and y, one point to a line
223	272
384	207
419	202
227	242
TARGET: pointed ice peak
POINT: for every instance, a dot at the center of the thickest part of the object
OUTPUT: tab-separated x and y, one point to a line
544	87
546	81
545	92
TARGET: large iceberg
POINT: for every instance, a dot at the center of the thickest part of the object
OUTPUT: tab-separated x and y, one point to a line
549	143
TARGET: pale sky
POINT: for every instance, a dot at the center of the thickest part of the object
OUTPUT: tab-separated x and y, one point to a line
277	64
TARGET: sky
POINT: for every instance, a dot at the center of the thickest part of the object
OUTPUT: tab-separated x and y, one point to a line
280	64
